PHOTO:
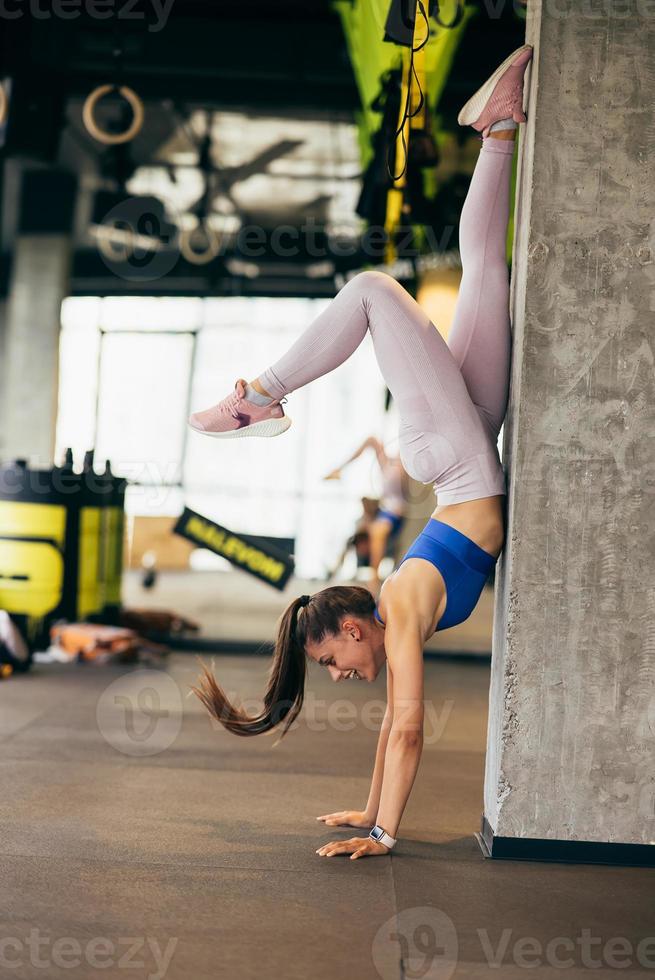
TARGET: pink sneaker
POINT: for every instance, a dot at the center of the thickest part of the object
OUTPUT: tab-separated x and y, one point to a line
501	96
235	417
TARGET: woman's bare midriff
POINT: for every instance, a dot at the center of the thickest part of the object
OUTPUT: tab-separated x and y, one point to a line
481	520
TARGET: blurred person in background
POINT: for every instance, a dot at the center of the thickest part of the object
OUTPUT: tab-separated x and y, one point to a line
386	524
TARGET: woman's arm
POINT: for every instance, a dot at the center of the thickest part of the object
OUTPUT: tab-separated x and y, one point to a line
381	455
373	802
404	646
366	817
371	441
403	742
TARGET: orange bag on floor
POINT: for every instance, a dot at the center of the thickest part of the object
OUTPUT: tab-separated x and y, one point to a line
92	641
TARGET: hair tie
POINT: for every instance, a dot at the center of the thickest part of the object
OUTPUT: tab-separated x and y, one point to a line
304	600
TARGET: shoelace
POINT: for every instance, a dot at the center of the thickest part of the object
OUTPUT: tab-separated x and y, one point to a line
230	404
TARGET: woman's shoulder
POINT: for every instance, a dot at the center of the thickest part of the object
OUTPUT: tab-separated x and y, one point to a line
413	593
397	591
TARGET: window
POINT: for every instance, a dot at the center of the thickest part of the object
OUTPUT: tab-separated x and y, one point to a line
131	370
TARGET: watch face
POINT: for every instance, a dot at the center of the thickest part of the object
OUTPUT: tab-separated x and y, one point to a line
377	833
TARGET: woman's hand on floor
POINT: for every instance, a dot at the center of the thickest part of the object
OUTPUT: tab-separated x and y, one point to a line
357	847
347	818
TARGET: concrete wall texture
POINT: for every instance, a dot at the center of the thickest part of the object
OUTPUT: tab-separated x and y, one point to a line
571	742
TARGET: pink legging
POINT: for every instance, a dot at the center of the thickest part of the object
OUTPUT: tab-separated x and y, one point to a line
451	397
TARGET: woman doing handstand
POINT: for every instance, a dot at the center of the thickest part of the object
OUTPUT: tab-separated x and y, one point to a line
451	400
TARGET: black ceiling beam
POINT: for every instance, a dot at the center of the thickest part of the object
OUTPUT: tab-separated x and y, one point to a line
90	277
225	60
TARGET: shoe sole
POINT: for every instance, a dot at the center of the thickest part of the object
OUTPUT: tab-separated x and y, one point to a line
266	429
472	110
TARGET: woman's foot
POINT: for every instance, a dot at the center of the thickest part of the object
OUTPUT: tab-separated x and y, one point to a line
501	96
235	416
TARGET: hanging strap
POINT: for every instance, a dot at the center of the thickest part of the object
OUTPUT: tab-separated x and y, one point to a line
412	115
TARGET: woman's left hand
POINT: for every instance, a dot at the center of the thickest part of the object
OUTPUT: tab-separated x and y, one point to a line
356	846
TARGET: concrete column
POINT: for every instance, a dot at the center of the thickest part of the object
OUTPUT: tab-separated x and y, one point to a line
39	282
3	362
571	739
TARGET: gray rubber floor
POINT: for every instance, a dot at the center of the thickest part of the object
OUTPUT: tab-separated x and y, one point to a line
138	841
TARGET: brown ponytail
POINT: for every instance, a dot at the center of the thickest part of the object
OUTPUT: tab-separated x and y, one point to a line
319	618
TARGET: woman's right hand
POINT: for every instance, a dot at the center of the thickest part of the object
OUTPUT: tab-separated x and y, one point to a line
334	475
348	818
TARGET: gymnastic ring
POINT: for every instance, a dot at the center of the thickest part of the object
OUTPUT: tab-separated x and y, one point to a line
4	105
112	139
189	252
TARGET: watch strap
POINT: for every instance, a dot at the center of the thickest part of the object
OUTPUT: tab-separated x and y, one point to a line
380	835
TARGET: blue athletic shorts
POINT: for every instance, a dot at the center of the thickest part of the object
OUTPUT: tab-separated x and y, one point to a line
396	519
464	565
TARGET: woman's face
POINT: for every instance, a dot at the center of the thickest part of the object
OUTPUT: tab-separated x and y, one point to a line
356	653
